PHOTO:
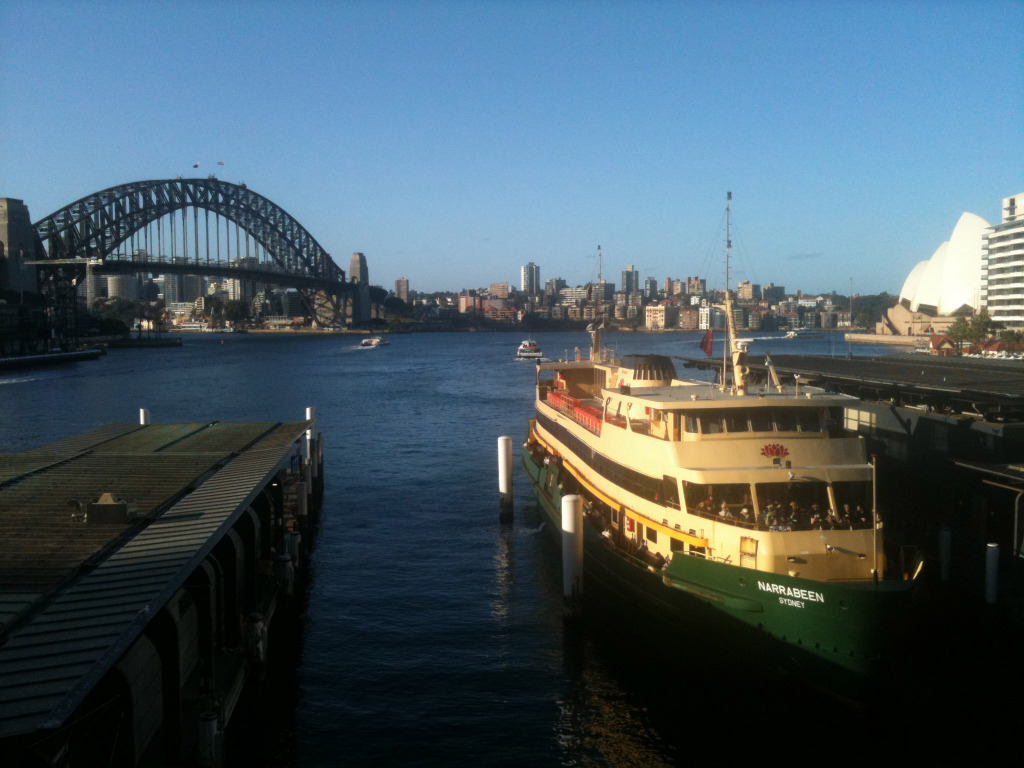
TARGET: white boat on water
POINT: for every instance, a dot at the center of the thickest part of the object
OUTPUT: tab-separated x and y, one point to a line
529	350
373	341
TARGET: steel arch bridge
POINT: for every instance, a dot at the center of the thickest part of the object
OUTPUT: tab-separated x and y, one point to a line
94	229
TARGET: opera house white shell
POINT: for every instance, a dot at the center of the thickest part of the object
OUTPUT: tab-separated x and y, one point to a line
952	276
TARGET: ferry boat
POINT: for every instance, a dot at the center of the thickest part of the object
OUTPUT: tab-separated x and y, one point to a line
529	350
742	513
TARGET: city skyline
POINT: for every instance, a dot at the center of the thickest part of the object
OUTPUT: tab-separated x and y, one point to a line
453	143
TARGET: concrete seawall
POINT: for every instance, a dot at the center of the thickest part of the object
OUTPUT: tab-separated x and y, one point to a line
871	338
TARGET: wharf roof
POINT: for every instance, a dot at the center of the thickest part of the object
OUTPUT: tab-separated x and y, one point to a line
75	595
993	389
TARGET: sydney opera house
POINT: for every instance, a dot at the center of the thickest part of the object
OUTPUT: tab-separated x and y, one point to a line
980	266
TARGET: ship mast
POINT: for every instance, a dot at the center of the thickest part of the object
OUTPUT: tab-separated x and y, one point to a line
737	348
728	302
595	327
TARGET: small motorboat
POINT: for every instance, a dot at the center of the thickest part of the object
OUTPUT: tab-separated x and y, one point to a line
373	341
529	350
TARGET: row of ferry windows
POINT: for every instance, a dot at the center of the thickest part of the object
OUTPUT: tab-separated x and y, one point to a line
804	495
734	420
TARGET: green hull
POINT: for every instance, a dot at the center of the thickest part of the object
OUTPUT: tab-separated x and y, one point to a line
837	636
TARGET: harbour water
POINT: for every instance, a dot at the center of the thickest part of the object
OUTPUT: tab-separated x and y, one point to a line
433	633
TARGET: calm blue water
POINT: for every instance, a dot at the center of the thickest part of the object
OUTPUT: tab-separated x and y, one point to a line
434	634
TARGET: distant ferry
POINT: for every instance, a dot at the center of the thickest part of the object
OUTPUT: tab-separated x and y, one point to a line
193	325
529	350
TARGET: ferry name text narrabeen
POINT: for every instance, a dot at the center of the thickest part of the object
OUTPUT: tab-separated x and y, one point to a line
798	594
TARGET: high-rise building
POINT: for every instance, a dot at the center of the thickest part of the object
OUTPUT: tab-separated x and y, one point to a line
630	280
243	289
530	279
402	289
651	288
123	287
500	290
773	293
357	269
17	245
749	291
553	286
1002	266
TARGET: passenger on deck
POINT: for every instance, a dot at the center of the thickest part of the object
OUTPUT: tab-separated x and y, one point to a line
724	511
819	519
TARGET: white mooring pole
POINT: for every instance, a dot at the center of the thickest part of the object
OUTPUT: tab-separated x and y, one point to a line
572	555
310	456
143	416
505	476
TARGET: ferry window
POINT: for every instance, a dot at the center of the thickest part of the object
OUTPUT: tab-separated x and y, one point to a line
711	423
735	420
834	421
785	419
761	420
853	493
676	545
652	535
787	497
809	419
699	494
691	424
669	492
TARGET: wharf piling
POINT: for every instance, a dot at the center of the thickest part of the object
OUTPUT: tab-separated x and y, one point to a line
572	556
505	467
149	610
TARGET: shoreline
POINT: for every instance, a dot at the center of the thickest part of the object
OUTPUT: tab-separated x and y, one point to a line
896	341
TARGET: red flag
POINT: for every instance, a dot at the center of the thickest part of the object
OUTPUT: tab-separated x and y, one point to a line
705	343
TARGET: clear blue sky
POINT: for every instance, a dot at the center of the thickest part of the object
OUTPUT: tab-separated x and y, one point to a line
452	142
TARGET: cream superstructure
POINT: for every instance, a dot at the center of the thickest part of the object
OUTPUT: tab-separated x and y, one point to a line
655	452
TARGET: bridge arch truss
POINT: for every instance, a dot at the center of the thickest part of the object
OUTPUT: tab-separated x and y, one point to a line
98	226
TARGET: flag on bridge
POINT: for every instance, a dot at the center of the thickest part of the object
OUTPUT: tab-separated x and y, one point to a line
705	343
220	162
196	165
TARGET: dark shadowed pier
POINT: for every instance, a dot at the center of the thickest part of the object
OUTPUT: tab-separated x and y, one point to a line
143	569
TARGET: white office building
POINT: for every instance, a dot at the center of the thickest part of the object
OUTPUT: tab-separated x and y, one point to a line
1002	266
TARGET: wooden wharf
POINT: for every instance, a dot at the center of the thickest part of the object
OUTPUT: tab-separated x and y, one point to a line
143	570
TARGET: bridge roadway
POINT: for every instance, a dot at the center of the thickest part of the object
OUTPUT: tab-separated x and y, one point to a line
265	273
993	389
